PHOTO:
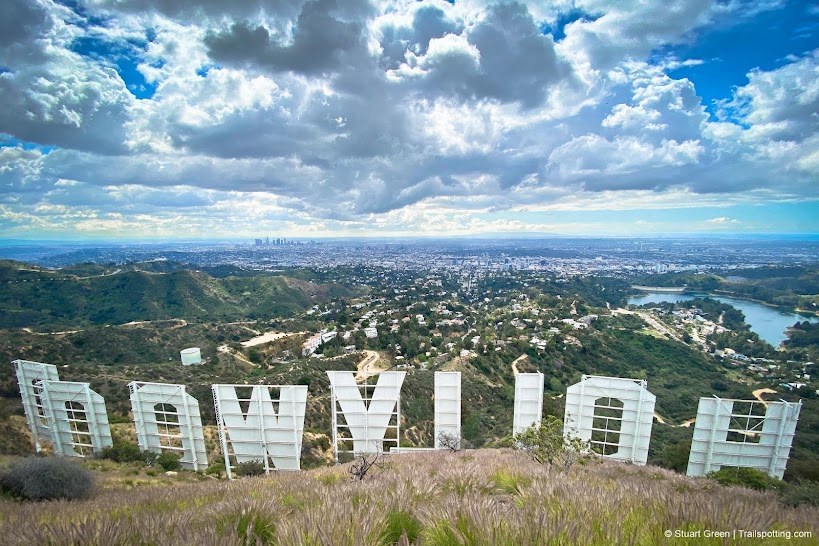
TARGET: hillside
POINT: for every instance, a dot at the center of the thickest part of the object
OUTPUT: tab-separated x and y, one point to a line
175	308
793	288
486	497
110	357
84	295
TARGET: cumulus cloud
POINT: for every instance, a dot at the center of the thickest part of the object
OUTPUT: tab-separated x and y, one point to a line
339	115
326	33
503	56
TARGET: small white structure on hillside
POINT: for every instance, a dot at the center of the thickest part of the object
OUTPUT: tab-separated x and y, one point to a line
191	356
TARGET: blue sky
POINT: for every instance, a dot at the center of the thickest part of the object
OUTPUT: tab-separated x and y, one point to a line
199	118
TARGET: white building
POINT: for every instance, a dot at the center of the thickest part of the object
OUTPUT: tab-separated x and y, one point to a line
309	347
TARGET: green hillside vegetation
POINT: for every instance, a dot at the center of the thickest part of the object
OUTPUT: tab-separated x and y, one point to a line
496	497
237	308
40	298
804	337
110	357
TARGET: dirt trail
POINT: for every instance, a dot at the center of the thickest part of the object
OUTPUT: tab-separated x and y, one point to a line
235	354
685	424
759	392
521	358
178	323
267	337
366	367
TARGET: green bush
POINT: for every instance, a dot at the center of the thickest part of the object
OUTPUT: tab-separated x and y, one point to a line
169	461
546	444
801	492
216	469
45	478
746	477
126	452
249	468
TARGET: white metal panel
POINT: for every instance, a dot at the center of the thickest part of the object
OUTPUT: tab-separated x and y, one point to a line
626	412
77	417
29	377
528	401
447	406
766	442
261	433
367	417
176	426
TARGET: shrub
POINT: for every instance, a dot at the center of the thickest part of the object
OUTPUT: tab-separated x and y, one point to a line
126	452
745	477
45	478
121	452
547	444
249	468
801	492
216	469
169	461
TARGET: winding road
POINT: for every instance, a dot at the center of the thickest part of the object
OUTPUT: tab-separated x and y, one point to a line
366	367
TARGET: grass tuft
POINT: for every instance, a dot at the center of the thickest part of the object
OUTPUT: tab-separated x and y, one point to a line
398	524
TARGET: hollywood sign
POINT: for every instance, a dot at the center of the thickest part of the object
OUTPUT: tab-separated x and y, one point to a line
266	422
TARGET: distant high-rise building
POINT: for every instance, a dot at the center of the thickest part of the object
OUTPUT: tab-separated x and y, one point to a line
259	242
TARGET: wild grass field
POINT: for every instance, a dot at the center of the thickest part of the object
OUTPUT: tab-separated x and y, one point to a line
491	497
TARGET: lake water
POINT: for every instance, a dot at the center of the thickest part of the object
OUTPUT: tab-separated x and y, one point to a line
769	323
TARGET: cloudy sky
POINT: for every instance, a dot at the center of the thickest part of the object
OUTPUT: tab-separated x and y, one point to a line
242	118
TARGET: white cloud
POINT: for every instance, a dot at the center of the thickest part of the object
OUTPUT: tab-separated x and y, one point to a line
414	114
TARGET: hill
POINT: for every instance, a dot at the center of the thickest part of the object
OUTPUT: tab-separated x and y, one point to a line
84	295
792	288
496	497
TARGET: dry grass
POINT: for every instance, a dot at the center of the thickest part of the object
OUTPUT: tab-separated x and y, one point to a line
481	497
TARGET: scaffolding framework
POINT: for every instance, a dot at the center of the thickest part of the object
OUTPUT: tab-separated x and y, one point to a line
77	418
29	379
614	414
743	433
367	411
257	431
447	407
528	401
167	419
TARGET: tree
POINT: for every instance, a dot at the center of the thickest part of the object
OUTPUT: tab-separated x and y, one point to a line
548	444
449	441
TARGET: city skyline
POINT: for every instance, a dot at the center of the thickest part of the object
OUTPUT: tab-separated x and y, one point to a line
193	119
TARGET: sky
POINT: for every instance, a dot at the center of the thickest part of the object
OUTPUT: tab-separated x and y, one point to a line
186	119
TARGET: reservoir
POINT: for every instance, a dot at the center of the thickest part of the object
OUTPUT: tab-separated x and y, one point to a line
768	322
